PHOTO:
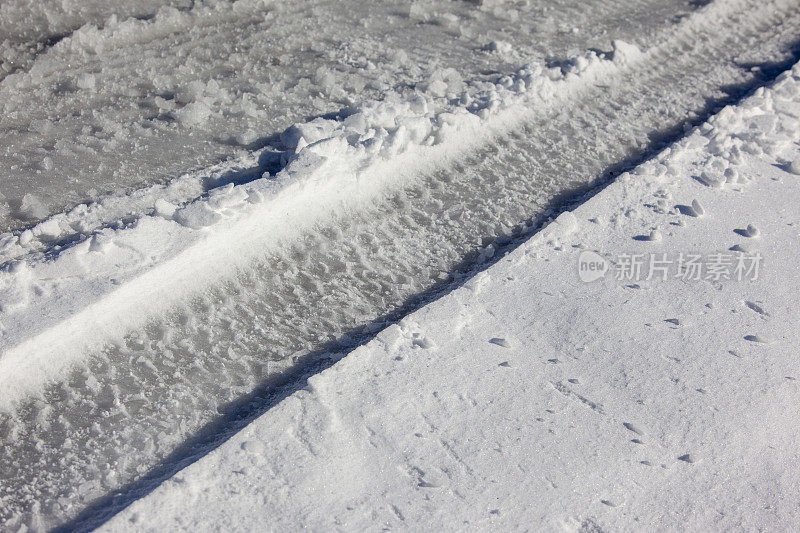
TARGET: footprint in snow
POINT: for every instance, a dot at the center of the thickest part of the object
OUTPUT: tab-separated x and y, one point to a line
653	236
750	231
633	428
745	248
759	339
420	341
500	342
695	210
757	308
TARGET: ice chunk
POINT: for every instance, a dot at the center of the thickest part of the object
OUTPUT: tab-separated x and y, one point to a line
299	135
31	207
442	82
501	47
197	215
48	230
164	209
624	53
193	114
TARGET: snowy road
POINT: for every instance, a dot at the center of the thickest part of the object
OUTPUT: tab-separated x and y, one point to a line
164	392
82	119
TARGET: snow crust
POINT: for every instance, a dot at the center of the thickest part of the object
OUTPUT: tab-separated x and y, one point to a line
122	410
531	398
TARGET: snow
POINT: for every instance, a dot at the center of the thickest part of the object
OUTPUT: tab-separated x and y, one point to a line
109	81
169	255
329	163
529	397
31	207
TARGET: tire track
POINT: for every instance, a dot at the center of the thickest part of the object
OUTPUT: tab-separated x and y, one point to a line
171	391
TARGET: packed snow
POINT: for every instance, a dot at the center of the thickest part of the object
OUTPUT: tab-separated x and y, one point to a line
126	272
206	204
82	117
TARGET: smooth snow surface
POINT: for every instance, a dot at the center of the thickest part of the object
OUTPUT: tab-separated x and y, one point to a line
348	172
529	399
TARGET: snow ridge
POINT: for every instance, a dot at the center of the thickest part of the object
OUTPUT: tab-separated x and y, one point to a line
382	129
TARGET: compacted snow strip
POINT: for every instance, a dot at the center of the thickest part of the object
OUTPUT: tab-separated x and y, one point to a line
114	105
124	103
58	305
60	300
632	366
426	116
440	96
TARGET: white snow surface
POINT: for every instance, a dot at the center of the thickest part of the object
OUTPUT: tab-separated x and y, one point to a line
528	398
443	131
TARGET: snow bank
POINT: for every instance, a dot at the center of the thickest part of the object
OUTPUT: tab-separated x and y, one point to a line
534	398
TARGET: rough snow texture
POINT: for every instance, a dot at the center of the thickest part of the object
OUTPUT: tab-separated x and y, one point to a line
76	280
528	398
101	96
375	129
123	409
54	307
